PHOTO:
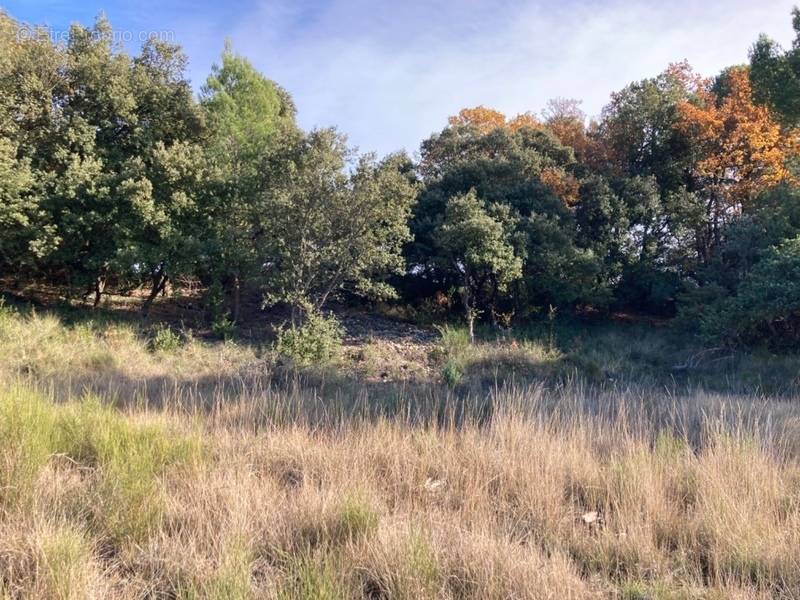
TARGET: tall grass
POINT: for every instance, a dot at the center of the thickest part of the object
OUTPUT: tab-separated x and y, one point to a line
253	485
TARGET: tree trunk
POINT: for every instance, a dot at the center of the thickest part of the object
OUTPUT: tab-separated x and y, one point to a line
469	312
159	285
237	298
99	288
469	309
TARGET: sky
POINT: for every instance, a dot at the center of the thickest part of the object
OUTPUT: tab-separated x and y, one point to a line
388	74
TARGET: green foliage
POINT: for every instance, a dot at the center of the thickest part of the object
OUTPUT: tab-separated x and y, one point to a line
164	339
453	347
335	231
725	305
250	119
317	340
775	74
476	245
223	327
454	340
113	174
638	126
452	372
766	305
504	170
85	158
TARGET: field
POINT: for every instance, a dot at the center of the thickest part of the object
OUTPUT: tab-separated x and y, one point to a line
570	460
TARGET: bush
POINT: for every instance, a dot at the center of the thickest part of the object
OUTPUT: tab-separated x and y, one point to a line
766	306
164	339
223	327
648	288
316	341
455	340
452	373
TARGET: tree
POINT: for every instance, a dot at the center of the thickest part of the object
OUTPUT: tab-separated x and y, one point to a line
775	75
601	217
480	117
83	127
31	87
167	136
511	169
486	120
565	119
18	207
250	118
739	150
638	128
172	239
94	184
332	231
477	245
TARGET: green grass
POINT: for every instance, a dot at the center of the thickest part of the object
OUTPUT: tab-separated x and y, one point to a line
230	580
66	553
125	458
310	579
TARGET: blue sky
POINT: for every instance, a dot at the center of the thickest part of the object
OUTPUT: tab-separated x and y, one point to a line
389	73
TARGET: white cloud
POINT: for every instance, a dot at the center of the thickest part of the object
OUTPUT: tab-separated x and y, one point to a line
388	74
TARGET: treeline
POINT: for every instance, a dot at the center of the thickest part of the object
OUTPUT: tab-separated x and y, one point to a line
681	198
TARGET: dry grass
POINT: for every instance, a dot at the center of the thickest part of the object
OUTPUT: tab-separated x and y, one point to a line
246	488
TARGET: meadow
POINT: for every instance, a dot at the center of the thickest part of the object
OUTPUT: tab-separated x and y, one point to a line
150	462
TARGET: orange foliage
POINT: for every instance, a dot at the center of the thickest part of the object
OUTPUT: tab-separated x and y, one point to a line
563	185
572	133
480	117
487	119
564	118
523	120
683	73
743	150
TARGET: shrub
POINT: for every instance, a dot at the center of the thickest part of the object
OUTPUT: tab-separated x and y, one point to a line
317	340
223	327
766	306
164	339
455	340
452	374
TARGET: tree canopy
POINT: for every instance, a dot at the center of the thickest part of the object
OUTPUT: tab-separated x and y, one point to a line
680	197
